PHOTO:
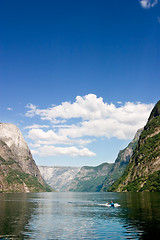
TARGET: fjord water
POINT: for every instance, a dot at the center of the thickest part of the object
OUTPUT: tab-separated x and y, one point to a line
79	216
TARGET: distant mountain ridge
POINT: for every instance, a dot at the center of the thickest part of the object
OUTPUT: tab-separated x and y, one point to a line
87	178
84	179
143	170
59	178
90	179
18	171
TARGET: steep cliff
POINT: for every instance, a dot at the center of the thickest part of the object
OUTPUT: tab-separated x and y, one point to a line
90	179
100	178
59	178
121	162
143	170
18	171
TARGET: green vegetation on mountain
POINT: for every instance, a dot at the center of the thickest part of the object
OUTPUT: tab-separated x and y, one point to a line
13	179
90	179
100	178
18	171
121	163
143	170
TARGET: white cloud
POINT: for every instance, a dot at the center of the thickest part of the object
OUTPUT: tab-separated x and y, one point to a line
50	137
71	151
35	126
87	107
87	118
102	128
148	3
9	109
32	108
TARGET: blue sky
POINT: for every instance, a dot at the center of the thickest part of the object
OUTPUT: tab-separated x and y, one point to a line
78	77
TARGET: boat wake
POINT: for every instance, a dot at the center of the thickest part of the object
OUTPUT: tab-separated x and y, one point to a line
109	205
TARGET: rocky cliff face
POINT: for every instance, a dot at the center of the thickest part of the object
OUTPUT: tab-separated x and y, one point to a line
100	178
143	170
90	179
121	162
59	178
18	171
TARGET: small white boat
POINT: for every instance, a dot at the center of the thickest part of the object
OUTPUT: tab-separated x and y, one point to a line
109	205
114	205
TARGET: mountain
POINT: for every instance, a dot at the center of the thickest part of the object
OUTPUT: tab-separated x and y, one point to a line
143	170
100	178
121	162
18	171
59	178
85	179
90	179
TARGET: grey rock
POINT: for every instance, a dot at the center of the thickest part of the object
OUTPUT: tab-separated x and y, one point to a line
59	178
13	146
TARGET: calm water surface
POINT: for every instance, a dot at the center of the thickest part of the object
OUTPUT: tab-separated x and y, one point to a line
79	216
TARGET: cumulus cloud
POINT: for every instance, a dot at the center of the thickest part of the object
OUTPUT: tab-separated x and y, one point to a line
148	3
50	137
87	107
71	151
91	118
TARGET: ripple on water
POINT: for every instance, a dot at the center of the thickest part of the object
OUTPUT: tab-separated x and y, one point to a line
77	216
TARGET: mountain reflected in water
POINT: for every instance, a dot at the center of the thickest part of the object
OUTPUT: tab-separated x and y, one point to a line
144	212
79	216
15	213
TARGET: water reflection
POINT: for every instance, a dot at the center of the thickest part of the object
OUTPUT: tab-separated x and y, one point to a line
79	216
15	212
143	213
